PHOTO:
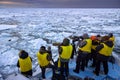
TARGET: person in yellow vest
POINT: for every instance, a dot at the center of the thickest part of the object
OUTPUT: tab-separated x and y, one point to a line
25	63
65	52
45	61
95	43
104	51
83	53
111	37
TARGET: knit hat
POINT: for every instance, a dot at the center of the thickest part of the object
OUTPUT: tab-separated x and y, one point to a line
85	36
66	41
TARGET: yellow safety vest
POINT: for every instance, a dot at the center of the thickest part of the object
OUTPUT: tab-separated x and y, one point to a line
107	51
25	64
112	38
87	47
42	59
66	52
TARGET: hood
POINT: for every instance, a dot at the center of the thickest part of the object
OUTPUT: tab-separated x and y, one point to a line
23	55
42	51
66	42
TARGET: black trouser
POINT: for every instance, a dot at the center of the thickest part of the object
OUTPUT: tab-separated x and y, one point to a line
88	57
105	66
28	73
81	61
73	51
44	68
64	68
101	59
93	55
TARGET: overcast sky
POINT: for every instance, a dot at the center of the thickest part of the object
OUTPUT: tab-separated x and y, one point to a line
62	3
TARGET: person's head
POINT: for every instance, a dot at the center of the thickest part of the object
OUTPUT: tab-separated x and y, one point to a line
23	54
98	37
81	38
42	49
66	42
85	36
110	34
